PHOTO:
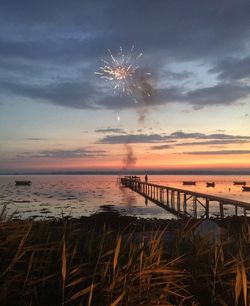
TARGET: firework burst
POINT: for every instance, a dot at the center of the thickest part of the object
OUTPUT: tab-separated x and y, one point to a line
121	72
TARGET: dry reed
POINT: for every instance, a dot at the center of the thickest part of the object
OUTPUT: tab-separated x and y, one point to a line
74	263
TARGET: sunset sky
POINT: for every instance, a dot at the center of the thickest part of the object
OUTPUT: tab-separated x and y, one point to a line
56	114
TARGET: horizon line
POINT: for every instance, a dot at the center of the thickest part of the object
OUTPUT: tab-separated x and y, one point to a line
132	171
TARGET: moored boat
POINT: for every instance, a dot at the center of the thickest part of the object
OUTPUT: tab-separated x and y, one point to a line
239	183
245	188
23	183
210	184
188	183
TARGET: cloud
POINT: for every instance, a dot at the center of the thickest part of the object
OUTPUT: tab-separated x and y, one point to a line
201	143
213	142
110	130
49	52
36	139
70	94
209	29
221	94
232	69
162	147
131	138
177	76
86	95
219	152
182	135
219	138
77	153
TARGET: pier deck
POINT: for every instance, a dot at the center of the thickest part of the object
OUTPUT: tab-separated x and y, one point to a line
178	201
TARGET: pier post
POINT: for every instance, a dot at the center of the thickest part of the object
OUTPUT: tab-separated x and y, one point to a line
178	201
195	206
185	204
221	209
162	195
168	197
172	199
236	210
207	208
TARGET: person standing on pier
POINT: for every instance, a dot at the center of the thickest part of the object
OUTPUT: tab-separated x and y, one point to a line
146	178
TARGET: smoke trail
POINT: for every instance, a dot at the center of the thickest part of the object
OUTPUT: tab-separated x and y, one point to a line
145	94
128	161
130	158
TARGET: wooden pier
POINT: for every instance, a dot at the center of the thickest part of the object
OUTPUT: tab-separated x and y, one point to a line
183	203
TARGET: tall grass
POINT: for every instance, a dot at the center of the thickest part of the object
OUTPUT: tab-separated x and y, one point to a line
76	263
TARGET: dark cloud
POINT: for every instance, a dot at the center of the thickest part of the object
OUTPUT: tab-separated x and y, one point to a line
221	94
182	135
199	28
220	136
201	143
232	69
49	50
77	153
161	147
111	130
219	152
70	94
84	95
213	142
226	136
132	138
178	135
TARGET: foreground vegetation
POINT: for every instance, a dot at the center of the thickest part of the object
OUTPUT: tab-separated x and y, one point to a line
112	260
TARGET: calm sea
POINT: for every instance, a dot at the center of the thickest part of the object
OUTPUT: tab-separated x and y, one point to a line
83	195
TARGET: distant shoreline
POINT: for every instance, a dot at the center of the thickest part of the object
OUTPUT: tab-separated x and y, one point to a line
135	172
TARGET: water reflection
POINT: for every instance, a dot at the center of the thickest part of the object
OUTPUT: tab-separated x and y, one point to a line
75	195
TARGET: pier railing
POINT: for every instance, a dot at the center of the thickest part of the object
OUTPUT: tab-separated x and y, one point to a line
181	202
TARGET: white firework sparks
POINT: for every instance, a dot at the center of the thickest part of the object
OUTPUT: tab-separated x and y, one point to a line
121	70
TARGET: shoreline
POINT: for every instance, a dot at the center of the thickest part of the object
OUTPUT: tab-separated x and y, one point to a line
118	222
137	172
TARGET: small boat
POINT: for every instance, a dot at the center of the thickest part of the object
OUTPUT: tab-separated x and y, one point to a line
188	183
210	184
239	183
23	183
245	188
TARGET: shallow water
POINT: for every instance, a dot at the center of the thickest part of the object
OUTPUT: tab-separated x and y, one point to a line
83	195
